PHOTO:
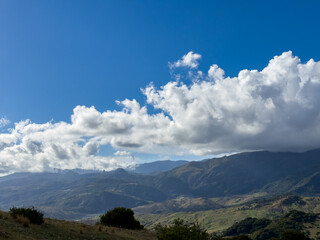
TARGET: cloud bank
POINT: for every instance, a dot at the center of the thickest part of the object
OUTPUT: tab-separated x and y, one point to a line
277	109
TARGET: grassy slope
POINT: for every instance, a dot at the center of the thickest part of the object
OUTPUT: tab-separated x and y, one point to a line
212	220
313	229
235	210
294	220
59	229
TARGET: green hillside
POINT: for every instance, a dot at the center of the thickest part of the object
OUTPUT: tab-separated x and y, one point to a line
265	229
235	210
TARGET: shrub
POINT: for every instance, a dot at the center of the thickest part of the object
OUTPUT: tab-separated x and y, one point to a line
246	226
32	214
181	231
120	217
300	217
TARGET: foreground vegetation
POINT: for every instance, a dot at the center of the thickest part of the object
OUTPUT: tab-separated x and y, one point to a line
120	217
11	228
181	231
290	226
27	215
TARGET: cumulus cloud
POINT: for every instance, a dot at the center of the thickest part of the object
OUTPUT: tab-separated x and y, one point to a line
276	109
190	60
216	73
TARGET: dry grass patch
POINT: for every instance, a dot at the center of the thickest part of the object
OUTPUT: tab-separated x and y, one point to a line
25	222
59	229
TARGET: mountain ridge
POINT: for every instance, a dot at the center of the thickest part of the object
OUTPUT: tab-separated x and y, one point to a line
78	195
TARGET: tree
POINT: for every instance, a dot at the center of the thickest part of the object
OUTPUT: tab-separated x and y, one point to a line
120	217
181	231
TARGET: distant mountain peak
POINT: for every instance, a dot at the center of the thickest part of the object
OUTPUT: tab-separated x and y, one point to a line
157	166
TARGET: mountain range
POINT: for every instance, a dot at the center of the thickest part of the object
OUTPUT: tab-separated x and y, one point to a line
74	195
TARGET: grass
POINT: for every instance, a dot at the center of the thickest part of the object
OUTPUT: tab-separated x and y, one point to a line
235	210
60	229
212	220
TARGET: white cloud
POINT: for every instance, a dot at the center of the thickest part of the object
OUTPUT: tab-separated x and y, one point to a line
189	60
122	153
215	73
277	108
4	122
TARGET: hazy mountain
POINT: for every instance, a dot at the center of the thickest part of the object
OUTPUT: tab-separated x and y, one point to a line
157	167
73	195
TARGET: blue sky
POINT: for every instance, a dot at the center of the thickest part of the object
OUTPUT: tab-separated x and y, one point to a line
57	55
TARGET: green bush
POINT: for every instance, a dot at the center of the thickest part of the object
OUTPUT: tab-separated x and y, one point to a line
181	231
120	217
32	214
